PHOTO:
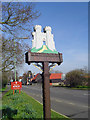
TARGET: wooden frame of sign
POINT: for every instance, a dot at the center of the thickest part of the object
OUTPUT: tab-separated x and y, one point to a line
45	59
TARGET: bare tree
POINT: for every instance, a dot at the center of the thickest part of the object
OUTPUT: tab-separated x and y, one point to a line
18	17
8	53
17	20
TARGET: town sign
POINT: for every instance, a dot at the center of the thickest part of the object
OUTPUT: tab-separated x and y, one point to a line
44	51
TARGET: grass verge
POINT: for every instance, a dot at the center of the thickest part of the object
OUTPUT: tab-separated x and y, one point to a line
22	106
3	89
80	88
75	88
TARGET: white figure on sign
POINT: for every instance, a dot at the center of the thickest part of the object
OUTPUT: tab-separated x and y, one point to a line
43	41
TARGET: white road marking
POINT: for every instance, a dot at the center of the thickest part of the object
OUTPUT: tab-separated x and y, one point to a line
86	94
71	103
58	100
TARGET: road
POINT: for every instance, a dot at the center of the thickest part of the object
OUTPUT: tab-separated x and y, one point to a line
72	103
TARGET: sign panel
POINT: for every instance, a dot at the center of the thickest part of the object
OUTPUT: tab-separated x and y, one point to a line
42	57
16	85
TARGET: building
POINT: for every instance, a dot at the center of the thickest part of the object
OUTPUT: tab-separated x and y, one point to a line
55	79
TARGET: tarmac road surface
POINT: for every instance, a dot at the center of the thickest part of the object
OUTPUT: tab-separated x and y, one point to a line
72	103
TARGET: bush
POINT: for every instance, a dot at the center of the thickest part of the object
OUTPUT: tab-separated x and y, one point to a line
75	78
4	79
8	112
4	83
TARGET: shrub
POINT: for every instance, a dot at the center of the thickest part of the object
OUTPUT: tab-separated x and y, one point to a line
4	83
4	79
75	78
8	112
28	112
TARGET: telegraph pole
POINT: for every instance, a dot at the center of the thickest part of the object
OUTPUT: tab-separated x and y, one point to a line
15	59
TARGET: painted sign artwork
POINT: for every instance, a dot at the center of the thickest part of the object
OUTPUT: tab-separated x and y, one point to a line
43	42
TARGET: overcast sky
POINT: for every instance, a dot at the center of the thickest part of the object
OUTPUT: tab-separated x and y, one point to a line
69	23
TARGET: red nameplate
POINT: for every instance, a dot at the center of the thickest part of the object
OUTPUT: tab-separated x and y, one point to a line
16	85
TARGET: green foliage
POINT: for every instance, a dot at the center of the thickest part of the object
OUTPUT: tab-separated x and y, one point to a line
4	79
23	106
75	78
7	112
4	83
82	86
17	105
3	89
28	112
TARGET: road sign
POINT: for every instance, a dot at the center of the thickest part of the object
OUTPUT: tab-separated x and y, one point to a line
16	85
45	54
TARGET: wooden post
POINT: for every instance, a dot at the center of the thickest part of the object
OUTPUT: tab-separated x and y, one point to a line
46	92
45	59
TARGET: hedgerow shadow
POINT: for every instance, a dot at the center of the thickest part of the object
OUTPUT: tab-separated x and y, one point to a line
8	112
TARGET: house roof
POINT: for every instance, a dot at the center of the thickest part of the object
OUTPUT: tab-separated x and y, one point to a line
55	75
52	76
